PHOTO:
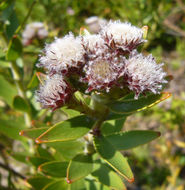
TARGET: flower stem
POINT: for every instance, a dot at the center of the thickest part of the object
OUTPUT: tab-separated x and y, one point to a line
21	91
26	18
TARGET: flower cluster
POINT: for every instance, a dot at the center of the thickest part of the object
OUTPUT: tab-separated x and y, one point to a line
99	62
54	93
34	29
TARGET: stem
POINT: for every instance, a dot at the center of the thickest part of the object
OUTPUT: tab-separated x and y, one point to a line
82	107
21	92
15	69
96	128
12	171
26	18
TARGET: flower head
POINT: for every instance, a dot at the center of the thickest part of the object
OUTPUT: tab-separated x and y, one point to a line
34	29
94	23
63	54
54	93
143	74
93	44
102	72
122	36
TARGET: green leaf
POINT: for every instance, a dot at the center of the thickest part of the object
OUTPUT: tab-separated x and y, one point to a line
112	126
11	25
58	185
7	91
21	157
68	149
93	185
79	167
77	185
54	169
116	116
11	129
34	82
33	133
70	112
44	153
129	105
67	130
20	104
14	49
10	19
39	182
107	177
62	185
36	161
131	139
113	157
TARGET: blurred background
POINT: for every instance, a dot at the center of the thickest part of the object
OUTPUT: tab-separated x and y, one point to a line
157	166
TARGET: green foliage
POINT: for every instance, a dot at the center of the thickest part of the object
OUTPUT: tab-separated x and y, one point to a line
67	130
54	169
129	106
79	167
131	139
55	150
113	157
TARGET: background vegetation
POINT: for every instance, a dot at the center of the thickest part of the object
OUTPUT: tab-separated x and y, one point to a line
159	165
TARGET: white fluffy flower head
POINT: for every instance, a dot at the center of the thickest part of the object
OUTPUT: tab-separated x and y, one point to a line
93	43
32	30
122	35
144	74
54	93
62	54
103	72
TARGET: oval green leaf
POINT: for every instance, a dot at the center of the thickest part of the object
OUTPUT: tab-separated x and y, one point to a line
112	126
57	185
79	167
130	105
67	130
14	49
20	104
33	133
39	182
113	157
11	129
7	91
94	185
131	139
107	177
68	149
36	161
54	169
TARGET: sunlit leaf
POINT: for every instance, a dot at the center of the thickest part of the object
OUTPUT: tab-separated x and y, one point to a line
43	152
129	106
7	91
107	177
36	161
67	130
68	149
33	133
33	82
79	167
54	169
58	185
14	49
11	129
39	182
113	157
131	139
112	126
